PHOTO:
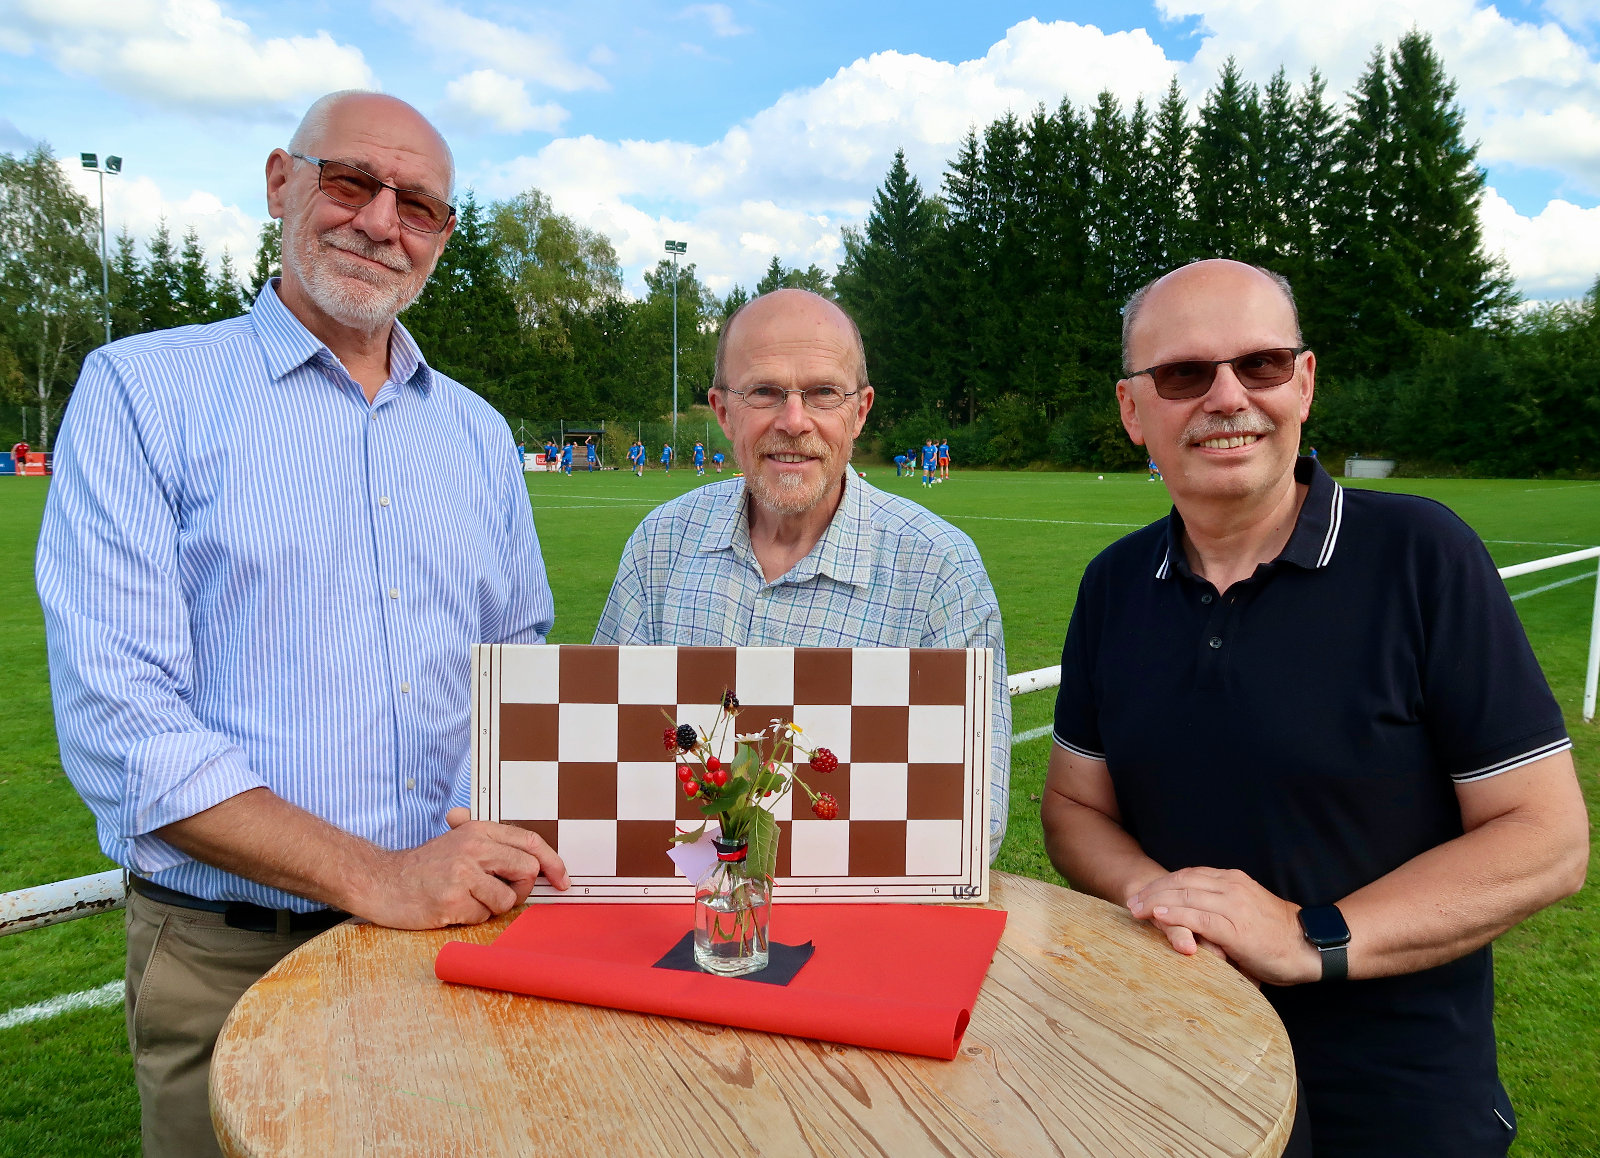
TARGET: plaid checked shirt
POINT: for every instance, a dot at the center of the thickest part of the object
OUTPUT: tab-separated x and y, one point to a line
888	573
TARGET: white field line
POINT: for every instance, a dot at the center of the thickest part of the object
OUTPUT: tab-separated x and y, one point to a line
585	507
98	998
1569	487
1031	734
1553	586
1532	543
596	498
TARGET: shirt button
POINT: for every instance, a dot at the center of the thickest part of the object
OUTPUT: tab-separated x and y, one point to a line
411	781
394	593
383	500
405	687
1206	598
1215	641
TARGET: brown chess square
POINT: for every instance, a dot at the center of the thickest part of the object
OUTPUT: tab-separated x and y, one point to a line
754	718
822	675
586	791
877	848
878	734
938	676
639	729
642	848
785	835
528	731
544	828
588	675
704	673
935	791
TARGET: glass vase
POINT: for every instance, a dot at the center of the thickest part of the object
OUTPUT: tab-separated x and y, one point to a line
731	908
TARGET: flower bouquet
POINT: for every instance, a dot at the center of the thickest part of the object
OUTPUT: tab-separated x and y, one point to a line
733	897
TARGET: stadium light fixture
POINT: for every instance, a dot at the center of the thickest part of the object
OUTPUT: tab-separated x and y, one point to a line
113	165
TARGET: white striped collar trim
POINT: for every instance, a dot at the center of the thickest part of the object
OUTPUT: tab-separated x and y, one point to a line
1077	750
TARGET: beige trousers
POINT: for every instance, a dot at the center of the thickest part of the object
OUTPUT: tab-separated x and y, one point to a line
185	971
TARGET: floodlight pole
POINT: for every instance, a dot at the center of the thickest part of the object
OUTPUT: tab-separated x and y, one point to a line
675	248
113	165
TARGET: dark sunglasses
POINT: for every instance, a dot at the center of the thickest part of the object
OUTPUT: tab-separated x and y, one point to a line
1192	378
356	189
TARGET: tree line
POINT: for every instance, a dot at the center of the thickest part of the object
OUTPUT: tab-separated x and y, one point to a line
990	309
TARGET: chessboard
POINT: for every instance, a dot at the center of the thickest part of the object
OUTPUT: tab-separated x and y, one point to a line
568	744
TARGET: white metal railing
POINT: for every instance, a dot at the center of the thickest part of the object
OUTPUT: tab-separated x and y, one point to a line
33	908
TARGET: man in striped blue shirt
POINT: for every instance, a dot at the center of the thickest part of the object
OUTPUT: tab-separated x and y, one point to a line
801	552
261	677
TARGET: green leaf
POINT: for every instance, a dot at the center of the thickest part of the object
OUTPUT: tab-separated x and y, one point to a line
690	837
762	857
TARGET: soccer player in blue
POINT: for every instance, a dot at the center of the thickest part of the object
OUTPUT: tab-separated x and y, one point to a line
666	457
929	454
719	458
566	457
699	459
589	451
899	465
636	456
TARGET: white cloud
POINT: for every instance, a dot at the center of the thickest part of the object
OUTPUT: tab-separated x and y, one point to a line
785	180
718	16
492	98
1529	90
184	53
511	51
1555	254
139	205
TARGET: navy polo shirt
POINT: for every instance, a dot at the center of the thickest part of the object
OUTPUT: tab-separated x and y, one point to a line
1308	726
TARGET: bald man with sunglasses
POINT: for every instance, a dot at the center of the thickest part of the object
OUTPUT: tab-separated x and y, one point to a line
1301	728
261	677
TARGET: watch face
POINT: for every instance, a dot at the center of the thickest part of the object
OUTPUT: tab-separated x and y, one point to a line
1324	925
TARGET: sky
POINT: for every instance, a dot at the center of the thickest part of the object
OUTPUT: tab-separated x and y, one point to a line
751	128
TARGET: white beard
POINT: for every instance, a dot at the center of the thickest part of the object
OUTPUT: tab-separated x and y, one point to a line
359	298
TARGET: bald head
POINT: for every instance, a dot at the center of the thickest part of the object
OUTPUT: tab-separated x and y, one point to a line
1266	294
795	304
382	115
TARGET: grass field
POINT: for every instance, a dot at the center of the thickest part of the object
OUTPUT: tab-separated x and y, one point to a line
66	1083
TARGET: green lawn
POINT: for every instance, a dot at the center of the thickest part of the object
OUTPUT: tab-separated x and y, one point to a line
66	1086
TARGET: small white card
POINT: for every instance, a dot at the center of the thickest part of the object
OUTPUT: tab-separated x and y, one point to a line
694	857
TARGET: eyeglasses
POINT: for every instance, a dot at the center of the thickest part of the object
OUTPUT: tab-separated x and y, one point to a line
356	188
1192	378
815	397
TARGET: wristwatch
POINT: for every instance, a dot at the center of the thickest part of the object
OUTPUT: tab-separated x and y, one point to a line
1324	926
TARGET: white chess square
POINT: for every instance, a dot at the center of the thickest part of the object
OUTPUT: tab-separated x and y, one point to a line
819	848
646	675
764	675
527	789
588	847
587	732
708	719
938	734
880	675
877	791
825	726
529	674
933	847
646	791
786	808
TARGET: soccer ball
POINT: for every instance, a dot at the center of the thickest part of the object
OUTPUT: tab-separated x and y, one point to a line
1101	477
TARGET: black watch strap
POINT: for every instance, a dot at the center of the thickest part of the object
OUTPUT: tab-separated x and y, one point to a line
1324	926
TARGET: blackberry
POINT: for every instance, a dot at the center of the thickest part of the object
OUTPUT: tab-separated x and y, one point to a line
729	701
687	737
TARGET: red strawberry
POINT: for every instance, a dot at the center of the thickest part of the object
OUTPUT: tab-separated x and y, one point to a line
823	761
825	806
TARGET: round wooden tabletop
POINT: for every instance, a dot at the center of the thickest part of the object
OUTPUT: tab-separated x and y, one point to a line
1090	1037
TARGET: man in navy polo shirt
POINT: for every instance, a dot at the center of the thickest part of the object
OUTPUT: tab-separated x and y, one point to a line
1301	727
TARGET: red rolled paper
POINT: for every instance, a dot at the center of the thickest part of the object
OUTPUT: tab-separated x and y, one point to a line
892	977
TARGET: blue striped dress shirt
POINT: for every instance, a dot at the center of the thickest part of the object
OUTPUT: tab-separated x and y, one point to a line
252	577
888	572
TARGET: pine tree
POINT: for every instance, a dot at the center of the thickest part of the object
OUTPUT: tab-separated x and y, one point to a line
227	295
269	257
127	288
194	281
163	284
1171	184
1313	142
1283	198
1228	194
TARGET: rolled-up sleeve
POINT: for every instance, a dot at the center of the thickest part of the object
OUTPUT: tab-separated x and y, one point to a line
118	626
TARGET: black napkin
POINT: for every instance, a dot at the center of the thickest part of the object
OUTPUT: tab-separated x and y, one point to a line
783	961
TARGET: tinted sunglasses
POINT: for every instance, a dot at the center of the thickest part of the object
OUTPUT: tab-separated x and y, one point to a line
356	189
1192	377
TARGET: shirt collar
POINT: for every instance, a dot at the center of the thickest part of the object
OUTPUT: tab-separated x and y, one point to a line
288	345
1311	543
844	552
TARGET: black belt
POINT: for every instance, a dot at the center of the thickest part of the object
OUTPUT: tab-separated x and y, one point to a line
242	914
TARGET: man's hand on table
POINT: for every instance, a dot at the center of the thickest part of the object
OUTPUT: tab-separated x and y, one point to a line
475	871
1225	910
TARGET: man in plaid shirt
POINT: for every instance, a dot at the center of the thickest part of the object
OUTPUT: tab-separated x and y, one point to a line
800	551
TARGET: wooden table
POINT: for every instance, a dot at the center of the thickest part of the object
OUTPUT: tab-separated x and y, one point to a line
1089	1037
